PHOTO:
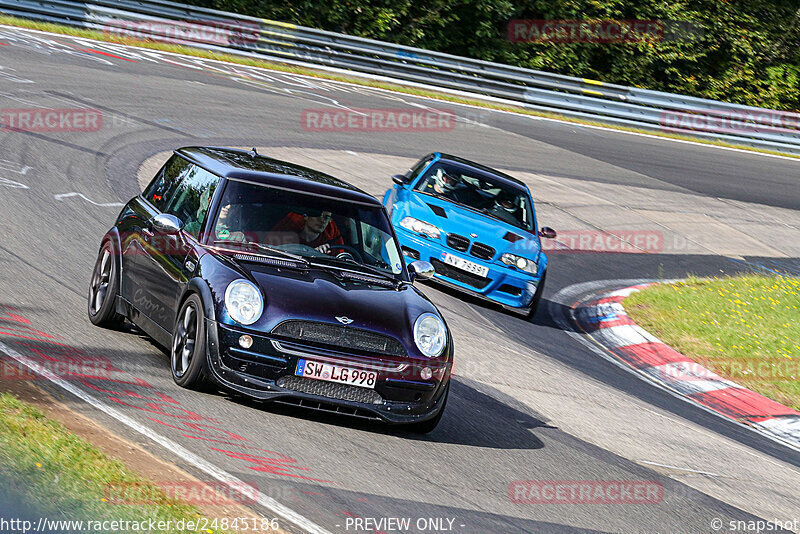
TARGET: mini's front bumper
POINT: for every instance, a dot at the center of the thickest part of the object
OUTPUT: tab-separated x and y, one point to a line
505	285
265	371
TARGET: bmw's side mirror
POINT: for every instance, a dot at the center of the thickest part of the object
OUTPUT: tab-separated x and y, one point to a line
547	232
421	270
165	223
400	179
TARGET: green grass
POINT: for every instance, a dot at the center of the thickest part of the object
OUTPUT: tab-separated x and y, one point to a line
56	474
281	67
744	328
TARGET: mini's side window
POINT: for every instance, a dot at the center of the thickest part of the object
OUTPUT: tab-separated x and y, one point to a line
192	197
160	190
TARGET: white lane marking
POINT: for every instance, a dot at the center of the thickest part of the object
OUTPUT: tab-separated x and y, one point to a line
432	88
565	320
679	468
5	182
62	196
205	466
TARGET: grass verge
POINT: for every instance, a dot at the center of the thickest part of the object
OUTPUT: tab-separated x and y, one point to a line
744	328
58	475
281	67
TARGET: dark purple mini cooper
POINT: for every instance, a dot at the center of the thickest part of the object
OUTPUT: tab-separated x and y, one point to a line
278	282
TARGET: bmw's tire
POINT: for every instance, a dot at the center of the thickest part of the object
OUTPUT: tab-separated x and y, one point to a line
188	359
427	426
537	297
103	290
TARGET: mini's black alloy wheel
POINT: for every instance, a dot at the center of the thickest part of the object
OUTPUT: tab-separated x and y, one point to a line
103	290
188	354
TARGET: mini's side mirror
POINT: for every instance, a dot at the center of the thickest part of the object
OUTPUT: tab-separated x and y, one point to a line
165	223
400	179
547	232
421	270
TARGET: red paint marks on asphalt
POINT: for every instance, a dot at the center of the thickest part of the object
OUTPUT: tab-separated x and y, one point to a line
93	51
276	466
650	355
743	404
4	44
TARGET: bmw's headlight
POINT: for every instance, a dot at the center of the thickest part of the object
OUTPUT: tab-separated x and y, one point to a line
244	302
430	335
520	263
420	227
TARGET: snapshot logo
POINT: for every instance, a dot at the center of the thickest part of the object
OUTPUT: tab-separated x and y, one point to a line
731	122
600	31
619	241
223	33
212	493
50	120
585	492
377	120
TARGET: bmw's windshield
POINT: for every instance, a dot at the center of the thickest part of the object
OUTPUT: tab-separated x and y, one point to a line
478	192
319	229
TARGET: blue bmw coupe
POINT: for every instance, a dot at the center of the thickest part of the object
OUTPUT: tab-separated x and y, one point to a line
475	225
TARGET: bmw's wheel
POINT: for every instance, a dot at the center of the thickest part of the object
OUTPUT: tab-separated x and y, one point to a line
103	290
536	298
425	427
188	355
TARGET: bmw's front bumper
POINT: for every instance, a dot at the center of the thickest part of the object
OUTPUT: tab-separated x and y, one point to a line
503	284
266	371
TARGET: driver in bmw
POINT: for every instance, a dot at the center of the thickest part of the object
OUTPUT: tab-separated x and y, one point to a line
315	229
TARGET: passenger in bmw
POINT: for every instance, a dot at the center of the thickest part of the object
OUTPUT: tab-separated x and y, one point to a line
316	229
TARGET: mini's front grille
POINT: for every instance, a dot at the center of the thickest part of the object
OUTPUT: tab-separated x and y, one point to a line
340	336
331	390
458	242
474	280
484	252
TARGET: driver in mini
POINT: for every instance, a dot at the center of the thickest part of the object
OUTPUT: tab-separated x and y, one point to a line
315	229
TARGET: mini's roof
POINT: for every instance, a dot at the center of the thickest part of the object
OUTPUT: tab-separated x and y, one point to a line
493	173
238	164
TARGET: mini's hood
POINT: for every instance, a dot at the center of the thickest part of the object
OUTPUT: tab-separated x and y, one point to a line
496	233
318	295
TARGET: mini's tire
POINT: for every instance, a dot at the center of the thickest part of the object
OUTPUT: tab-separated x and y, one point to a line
424	427
103	290
188	358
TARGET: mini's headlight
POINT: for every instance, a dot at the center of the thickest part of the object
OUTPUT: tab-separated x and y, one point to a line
244	302
420	227
430	335
520	263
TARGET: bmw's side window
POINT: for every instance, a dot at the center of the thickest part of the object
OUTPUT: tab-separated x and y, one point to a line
192	197
414	171
160	190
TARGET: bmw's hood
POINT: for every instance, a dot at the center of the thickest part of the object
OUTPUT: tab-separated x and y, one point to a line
496	233
318	295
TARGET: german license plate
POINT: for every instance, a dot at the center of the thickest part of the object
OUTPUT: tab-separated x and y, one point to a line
466	265
336	373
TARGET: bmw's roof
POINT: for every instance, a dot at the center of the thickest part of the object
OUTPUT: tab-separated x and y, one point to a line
494	173
248	166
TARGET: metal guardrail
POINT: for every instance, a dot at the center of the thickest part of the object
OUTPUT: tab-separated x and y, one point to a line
542	91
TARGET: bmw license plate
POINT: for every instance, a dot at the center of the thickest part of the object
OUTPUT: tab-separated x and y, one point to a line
465	265
336	373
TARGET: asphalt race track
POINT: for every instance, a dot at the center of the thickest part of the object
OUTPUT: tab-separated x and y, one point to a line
528	402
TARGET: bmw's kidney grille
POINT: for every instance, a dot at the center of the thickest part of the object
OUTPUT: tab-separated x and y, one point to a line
330	389
484	252
340	336
458	242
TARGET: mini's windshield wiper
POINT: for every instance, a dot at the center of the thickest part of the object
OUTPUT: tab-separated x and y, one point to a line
360	269
265	248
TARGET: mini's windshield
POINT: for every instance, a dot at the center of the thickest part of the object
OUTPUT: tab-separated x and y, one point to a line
480	193
320	229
